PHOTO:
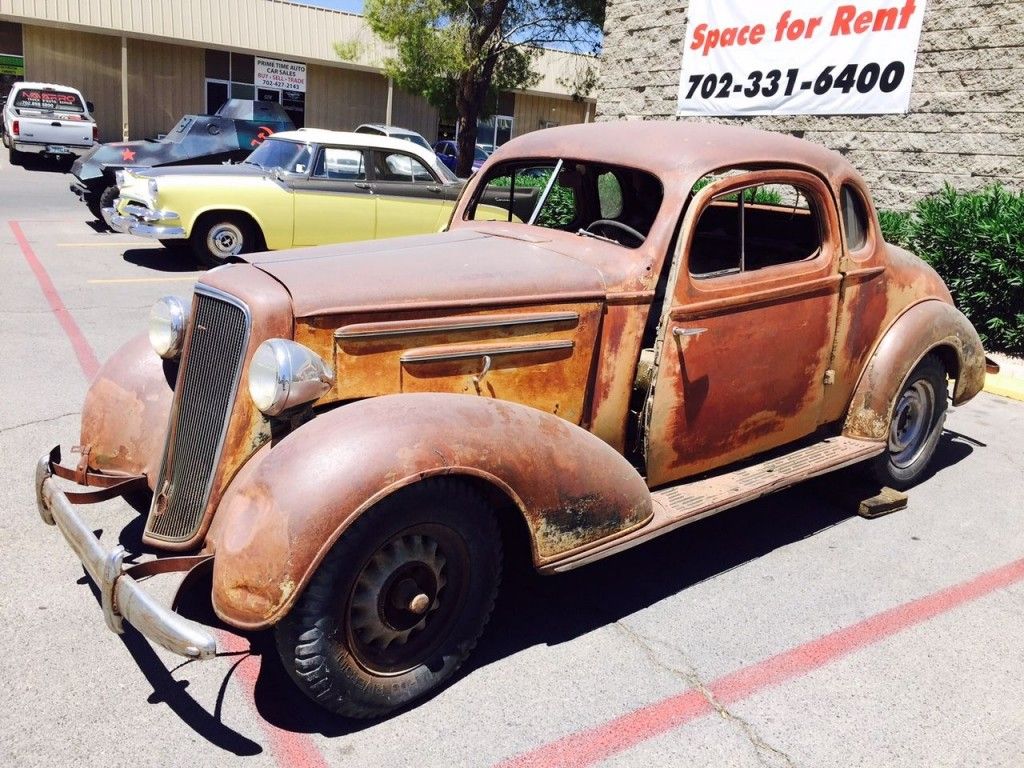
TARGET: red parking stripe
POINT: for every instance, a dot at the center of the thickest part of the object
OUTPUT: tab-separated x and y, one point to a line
596	744
86	357
290	750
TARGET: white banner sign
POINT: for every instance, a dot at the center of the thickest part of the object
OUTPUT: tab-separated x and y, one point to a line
285	75
799	57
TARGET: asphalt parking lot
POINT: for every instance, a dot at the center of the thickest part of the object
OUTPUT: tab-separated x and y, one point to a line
786	632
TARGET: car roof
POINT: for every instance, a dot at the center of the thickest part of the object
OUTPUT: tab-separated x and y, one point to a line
675	147
391	130
45	86
350	138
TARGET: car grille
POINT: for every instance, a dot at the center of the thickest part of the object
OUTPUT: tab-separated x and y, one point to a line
220	332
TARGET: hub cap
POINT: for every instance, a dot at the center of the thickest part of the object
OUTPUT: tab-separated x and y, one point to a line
911	423
224	240
406	598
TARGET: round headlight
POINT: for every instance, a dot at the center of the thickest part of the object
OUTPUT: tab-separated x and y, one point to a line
284	374
167	322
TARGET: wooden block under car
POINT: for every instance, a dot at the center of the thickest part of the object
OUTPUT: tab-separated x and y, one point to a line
889	500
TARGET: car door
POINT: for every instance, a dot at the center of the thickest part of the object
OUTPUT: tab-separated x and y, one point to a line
411	200
745	341
335	202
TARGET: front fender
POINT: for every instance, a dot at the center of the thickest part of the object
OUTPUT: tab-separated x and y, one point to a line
124	418
931	325
289	504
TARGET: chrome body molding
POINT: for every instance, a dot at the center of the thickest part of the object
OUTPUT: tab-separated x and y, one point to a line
121	596
450	324
436	354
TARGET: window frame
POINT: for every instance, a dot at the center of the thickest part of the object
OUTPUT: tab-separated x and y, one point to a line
819	195
866	248
322	152
387	152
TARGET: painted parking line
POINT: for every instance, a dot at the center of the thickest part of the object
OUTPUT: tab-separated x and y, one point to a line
83	351
290	750
593	745
115	280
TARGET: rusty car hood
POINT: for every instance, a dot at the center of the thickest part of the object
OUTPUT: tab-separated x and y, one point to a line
463	268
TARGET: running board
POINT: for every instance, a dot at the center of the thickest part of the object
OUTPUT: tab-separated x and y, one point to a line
692	500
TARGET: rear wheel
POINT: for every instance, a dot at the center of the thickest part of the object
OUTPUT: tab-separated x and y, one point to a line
14	156
915	427
398	603
219	237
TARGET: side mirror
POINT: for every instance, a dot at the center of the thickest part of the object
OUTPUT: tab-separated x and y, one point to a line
90	107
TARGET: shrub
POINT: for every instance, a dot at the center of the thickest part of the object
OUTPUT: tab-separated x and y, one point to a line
975	241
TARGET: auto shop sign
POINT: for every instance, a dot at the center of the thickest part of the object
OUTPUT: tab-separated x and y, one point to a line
785	57
282	75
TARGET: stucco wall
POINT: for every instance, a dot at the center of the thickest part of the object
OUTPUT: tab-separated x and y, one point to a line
966	120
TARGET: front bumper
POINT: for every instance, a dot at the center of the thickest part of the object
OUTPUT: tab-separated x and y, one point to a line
143	222
122	598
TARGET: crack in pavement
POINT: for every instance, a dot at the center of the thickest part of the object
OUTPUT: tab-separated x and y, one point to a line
39	421
762	748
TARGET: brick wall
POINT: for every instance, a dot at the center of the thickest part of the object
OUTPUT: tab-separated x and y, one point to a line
966	120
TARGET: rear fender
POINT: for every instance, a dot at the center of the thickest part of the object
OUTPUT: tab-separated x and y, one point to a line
931	325
124	418
290	503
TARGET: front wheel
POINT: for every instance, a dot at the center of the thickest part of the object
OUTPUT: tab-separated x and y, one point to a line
398	603
217	238
915	427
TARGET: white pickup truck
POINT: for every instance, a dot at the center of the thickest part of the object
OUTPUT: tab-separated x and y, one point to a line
48	119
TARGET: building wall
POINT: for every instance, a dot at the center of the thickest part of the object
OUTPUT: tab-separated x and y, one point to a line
414	112
339	100
533	112
164	83
966	119
90	63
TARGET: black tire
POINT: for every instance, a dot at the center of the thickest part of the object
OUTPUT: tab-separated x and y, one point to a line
105	199
218	237
435	544
14	156
915	426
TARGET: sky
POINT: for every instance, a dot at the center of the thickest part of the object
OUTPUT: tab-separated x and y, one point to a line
356	6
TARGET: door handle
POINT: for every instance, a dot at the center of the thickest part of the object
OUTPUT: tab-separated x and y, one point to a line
361	185
686	332
436	190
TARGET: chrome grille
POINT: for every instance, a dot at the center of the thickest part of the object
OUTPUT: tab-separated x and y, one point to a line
220	332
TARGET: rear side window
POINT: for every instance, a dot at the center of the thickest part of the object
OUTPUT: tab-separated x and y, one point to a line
855	218
755	228
49	100
395	166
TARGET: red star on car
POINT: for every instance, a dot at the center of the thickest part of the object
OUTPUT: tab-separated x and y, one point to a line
127	154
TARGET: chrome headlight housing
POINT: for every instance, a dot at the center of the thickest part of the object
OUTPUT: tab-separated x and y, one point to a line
168	321
284	374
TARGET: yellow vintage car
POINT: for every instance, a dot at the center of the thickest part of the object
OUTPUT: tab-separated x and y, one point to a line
297	188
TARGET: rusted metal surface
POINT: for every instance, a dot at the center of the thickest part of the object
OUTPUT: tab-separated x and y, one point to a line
286	507
753	379
124	418
451	326
928	326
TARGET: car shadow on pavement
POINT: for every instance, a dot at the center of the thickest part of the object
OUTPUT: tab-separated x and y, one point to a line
176	259
34	162
534	610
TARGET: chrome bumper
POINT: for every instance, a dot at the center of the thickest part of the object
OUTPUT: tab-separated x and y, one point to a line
121	596
142	221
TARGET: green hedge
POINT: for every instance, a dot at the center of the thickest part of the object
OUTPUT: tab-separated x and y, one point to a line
975	241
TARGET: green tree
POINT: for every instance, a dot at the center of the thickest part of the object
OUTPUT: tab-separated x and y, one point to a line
464	52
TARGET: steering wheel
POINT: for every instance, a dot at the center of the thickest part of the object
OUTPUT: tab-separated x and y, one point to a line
617	225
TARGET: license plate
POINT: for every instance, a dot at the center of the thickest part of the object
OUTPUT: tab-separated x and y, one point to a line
57	149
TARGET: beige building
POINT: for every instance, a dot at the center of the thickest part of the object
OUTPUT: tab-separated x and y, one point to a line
144	63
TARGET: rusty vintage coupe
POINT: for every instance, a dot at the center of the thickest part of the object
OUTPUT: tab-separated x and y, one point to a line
670	320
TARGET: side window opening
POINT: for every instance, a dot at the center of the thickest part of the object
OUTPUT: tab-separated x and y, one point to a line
754	228
395	166
340	164
855	218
